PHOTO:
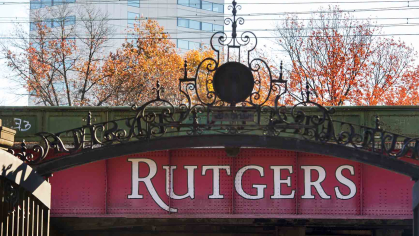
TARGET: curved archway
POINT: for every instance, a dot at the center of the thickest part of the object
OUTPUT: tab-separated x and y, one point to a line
283	143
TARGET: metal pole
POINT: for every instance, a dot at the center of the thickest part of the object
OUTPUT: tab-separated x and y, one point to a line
415	207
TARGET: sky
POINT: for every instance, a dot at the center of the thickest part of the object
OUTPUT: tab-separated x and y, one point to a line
11	11
401	19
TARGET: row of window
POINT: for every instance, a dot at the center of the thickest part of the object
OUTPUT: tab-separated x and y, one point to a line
134	3
69	20
36	4
193	24
205	5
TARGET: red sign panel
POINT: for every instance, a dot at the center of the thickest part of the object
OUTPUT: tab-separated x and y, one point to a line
208	183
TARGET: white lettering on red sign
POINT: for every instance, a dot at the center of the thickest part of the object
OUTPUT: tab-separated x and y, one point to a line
216	179
278	182
191	186
345	181
316	184
147	181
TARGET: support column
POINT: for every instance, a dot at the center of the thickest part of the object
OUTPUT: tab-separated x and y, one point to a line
7	137
415	207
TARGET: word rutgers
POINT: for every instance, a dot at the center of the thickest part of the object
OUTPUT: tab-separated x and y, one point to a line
219	170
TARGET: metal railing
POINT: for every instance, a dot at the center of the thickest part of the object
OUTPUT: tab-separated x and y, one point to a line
21	213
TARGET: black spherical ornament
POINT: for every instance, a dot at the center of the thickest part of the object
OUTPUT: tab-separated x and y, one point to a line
233	82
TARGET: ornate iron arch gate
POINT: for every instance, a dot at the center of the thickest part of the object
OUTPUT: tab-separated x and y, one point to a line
235	104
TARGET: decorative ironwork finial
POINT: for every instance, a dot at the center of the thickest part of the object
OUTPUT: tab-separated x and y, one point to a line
234	25
234	7
185	70
89	119
23	146
159	89
280	72
377	123
307	92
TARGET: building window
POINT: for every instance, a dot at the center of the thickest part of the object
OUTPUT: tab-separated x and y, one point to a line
194	24
218	28
182	44
58	2
183	22
52	23
183	2
46	3
195	3
218	7
134	3
207	27
205	5
189	45
56	22
132	19
194	45
36	4
70	20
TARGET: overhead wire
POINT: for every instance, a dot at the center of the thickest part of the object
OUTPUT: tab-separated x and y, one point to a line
264	37
209	20
246	20
217	15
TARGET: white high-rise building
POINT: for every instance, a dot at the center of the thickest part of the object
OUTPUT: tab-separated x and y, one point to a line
190	23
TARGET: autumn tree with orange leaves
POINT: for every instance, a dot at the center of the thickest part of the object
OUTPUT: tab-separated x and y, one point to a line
146	57
66	64
58	62
343	62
